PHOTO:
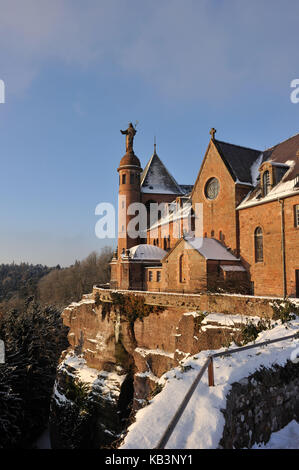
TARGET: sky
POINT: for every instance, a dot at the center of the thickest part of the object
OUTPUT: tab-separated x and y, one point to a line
76	73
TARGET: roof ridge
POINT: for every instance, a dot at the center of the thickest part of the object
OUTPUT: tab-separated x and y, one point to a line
240	146
282	142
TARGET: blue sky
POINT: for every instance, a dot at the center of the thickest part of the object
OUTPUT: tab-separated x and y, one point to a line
77	72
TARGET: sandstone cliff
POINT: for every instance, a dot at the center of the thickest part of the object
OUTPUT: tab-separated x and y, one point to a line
113	365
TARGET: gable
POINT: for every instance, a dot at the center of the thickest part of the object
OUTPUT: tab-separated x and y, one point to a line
156	179
212	166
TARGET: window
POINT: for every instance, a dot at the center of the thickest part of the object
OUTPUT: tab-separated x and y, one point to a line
182	268
123	179
150	276
131	178
266	182
212	189
165	244
158	276
258	245
296	211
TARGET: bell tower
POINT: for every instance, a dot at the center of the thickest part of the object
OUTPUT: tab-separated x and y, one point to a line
129	191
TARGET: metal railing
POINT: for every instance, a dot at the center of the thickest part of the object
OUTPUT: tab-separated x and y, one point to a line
209	364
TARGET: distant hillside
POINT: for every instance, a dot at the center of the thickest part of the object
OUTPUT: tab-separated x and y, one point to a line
19	281
63	286
52	286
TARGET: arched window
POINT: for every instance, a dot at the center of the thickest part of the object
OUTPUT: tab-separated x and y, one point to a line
182	268
165	244
266	182
258	245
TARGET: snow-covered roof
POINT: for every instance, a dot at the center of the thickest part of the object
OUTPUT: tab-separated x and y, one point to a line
156	179
174	213
282	155
286	187
232	268
147	252
211	249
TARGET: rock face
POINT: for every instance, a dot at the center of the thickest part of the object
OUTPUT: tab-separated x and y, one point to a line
112	366
259	405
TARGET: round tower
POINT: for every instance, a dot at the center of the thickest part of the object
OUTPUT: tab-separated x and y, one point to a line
129	191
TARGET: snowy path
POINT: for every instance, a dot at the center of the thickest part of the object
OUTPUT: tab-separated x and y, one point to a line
201	425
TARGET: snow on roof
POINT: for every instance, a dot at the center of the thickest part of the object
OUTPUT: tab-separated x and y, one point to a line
255	169
232	268
286	187
147	252
211	249
174	213
156	178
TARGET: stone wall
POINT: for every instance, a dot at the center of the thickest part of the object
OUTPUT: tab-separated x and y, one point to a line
218	303
259	405
267	276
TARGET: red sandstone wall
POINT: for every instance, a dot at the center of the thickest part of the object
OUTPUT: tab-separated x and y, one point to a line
218	215
194	270
268	275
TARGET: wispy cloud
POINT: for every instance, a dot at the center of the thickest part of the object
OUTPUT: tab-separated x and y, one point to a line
184	48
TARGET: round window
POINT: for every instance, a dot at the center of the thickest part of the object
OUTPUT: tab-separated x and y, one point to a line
212	188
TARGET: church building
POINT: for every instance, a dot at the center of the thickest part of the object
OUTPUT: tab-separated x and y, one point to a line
248	240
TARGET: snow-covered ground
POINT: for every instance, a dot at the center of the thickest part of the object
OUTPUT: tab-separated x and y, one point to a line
286	438
201	425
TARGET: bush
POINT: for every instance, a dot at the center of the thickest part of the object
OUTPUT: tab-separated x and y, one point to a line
284	310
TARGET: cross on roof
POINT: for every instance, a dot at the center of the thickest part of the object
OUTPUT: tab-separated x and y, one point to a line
213	132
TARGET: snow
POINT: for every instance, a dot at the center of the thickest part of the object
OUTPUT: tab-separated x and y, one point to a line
157	179
201	425
147	252
176	215
228	320
211	249
254	170
159	352
108	383
232	268
286	438
283	189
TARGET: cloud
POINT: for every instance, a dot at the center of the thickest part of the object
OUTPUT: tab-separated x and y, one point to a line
184	49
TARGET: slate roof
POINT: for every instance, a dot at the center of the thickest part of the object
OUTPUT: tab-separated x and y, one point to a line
238	160
283	154
156	179
211	249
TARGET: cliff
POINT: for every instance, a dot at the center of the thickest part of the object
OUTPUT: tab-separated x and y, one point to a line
119	349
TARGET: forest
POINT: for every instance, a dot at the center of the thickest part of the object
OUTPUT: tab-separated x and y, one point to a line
31	301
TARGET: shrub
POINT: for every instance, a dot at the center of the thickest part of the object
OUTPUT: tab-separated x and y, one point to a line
284	310
250	331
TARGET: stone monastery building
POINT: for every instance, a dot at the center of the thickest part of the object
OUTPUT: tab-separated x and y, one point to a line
249	222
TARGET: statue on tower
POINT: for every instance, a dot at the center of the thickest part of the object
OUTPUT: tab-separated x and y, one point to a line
130	133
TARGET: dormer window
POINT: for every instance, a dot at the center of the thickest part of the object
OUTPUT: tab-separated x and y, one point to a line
266	183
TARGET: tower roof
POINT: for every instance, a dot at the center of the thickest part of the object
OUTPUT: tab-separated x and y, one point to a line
156	179
130	159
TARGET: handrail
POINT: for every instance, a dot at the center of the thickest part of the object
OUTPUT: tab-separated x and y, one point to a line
209	364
